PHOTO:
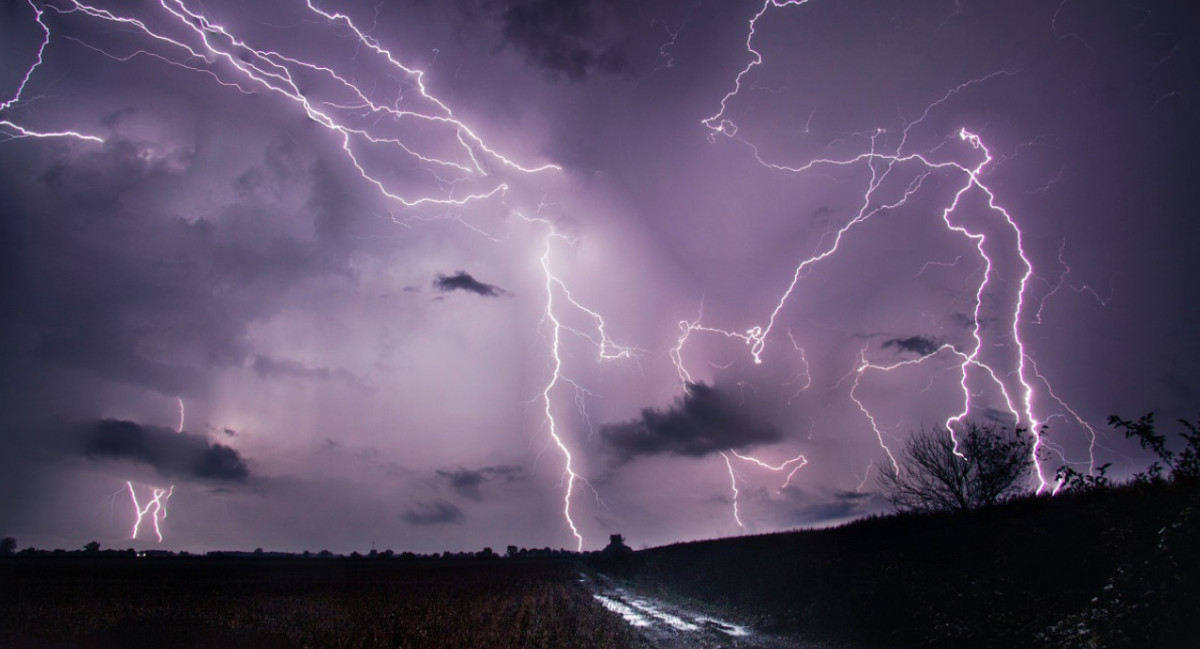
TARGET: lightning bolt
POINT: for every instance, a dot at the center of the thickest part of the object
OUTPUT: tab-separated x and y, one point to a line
606	350
733	486
796	463
11	130
156	508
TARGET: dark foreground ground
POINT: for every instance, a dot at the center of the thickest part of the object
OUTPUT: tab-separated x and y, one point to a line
100	602
1108	569
1115	568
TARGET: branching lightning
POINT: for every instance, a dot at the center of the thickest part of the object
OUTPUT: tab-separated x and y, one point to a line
156	509
11	130
1019	395
606	349
350	111
796	463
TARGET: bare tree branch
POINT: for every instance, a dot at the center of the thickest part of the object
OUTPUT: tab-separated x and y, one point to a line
988	466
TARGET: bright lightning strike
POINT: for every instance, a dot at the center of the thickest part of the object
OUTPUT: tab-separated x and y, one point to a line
737	517
796	463
156	509
606	349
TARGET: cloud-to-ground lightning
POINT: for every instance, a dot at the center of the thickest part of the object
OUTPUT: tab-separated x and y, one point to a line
606	349
1012	380
155	508
737	517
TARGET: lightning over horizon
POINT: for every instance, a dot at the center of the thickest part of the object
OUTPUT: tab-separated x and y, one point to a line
438	270
156	509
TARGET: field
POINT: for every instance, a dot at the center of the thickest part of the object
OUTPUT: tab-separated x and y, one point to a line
182	602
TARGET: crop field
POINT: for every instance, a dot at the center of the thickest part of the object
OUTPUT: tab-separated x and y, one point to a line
206	602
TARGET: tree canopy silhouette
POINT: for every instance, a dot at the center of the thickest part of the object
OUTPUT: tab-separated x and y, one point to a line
985	467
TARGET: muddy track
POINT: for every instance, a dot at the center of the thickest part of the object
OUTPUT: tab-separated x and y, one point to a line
664	625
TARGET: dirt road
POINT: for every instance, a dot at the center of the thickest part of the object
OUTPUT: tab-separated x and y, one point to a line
664	625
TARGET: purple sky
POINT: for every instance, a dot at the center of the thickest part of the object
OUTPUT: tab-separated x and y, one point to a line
332	302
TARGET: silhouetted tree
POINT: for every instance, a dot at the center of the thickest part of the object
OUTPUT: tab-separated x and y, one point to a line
8	546
92	547
616	546
986	466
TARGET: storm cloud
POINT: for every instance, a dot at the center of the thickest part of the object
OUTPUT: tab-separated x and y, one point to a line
172	454
704	420
564	36
920	345
467	482
462	281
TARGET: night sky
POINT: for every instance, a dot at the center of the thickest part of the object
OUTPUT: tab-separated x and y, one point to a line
438	275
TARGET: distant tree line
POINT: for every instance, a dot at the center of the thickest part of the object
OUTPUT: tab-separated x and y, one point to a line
9	544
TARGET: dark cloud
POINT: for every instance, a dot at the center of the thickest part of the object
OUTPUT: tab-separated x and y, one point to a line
433	514
702	421
467	482
173	455
920	345
92	246
571	37
461	281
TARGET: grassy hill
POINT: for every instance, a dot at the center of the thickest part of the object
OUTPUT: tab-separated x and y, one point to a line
1113	567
